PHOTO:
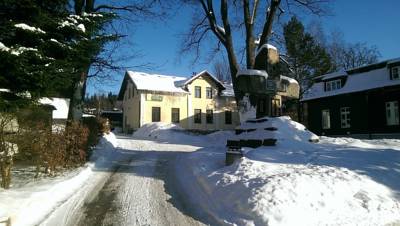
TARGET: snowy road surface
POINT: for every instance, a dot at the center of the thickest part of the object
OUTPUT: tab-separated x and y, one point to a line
142	189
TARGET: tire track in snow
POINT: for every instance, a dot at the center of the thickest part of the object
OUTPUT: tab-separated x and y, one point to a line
141	191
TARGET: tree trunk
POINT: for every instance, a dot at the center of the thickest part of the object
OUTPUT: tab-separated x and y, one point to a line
76	105
299	111
5	166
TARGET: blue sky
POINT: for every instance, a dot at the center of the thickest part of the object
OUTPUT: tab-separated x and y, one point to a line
370	21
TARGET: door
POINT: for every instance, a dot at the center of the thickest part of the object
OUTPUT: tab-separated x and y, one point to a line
262	108
275	107
392	113
155	114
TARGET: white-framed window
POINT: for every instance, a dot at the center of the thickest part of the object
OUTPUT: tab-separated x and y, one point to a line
197	92
392	113
396	72
333	85
345	117
209	93
326	119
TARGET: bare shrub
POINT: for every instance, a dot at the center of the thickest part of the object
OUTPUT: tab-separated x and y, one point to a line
77	143
7	148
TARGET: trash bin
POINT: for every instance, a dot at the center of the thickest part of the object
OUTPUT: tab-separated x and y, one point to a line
233	152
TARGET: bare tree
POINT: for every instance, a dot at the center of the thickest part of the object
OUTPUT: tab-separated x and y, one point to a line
246	17
104	61
221	70
350	55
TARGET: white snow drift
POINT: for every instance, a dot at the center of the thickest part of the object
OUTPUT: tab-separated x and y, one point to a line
334	182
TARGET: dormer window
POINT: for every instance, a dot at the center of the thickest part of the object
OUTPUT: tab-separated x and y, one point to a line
395	72
333	85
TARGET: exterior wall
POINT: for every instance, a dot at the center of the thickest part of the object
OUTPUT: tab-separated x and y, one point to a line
226	104
167	102
131	108
367	112
137	110
218	104
292	91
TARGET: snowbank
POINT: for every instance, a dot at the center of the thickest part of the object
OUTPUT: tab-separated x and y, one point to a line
32	203
166	132
286	130
296	182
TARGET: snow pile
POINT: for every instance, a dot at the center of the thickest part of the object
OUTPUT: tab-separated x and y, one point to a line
287	130
246	110
31	203
108	141
334	182
155	129
278	194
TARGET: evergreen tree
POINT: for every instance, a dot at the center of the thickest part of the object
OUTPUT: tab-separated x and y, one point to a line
43	46
305	56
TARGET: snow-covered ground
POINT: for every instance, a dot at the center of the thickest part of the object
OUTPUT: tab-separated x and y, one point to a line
338	181
31	203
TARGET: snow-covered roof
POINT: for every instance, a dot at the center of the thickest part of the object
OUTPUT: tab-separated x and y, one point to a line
228	91
252	72
155	82
200	74
395	60
290	80
334	75
266	46
355	83
61	105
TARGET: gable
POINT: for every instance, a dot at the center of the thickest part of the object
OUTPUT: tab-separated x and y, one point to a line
207	76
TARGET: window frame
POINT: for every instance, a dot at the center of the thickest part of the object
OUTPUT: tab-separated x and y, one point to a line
209	116
209	93
228	122
174	113
397	68
153	118
345	118
197	92
333	85
326	124
197	116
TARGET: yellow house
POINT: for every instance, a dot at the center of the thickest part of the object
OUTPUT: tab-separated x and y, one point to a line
201	102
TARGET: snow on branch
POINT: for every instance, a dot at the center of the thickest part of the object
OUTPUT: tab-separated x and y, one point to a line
29	28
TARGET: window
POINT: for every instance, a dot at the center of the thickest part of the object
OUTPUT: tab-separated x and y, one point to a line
326	119
395	72
345	117
208	93
197	116
209	116
284	86
197	92
392	113
155	114
175	115
129	96
333	85
228	117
